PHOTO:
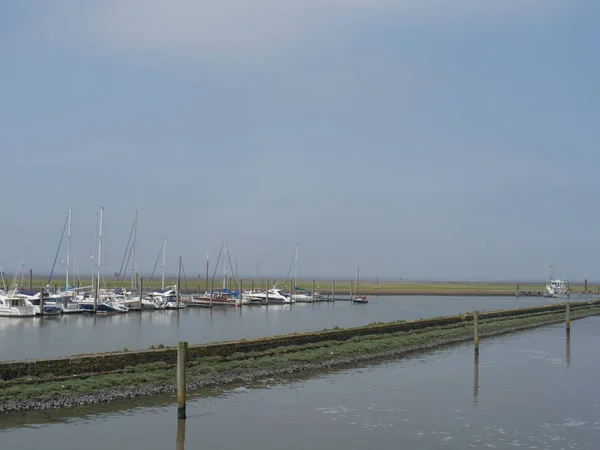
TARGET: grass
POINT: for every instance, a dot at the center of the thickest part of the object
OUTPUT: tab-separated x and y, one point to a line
280	357
342	286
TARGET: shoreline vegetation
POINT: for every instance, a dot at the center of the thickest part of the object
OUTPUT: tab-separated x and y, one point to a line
342	286
320	351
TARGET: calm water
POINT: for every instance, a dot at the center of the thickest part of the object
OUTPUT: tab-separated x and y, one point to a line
530	390
72	334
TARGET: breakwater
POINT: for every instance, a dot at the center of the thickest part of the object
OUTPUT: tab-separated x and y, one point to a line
102	378
115	361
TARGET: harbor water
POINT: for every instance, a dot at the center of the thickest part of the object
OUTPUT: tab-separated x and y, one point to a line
533	390
24	338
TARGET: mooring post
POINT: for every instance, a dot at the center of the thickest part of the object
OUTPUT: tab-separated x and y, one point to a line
31	279
333	290
313	291
476	331
585	289
181	394
141	288
517	291
568	348
476	376
267	293
568	318
180	441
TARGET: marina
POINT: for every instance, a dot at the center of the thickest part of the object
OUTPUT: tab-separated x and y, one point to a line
82	333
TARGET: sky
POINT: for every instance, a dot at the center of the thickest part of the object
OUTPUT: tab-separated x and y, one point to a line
422	139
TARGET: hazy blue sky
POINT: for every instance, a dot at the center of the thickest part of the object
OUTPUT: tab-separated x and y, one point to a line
417	138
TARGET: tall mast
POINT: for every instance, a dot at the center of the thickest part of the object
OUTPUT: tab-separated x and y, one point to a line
296	269
99	248
162	286
68	248
94	249
225	256
357	279
133	269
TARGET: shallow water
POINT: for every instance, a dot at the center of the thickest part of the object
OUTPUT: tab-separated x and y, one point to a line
530	390
23	338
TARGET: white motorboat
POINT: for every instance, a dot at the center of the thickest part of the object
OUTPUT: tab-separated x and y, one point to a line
274	296
16	306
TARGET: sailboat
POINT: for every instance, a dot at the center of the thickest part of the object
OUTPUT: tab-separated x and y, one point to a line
300	295
106	304
64	301
357	298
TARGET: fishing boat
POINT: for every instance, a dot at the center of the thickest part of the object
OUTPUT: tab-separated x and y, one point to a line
555	287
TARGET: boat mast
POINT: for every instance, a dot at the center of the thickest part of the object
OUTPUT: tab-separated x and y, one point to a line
68	249
99	250
225	256
3	279
296	269
133	269
357	279
94	251
162	286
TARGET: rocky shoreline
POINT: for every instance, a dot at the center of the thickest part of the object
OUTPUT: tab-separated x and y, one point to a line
237	376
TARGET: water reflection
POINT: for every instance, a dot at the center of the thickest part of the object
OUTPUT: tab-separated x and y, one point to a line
83	333
568	347
476	378
180	441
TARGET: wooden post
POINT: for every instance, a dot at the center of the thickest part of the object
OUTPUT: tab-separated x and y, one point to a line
313	291
180	441
476	331
42	302
141	284
333	290
517	292
476	376
568	318
377	285
267	293
568	356
181	394
585	289
30	279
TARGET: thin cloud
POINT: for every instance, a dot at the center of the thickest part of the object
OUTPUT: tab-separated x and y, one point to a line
242	27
